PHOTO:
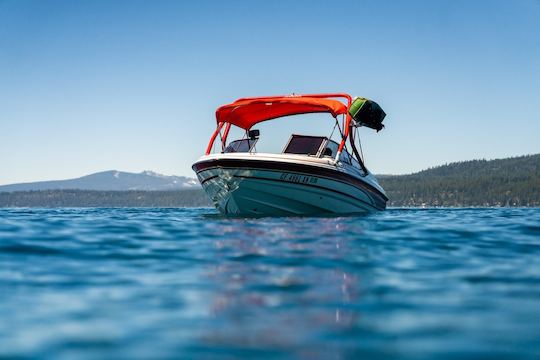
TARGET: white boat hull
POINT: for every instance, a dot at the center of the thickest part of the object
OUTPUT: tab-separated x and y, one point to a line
257	186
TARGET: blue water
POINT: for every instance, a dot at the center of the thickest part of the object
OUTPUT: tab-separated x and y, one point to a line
186	283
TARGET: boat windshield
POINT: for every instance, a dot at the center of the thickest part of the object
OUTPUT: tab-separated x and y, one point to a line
243	145
349	159
330	150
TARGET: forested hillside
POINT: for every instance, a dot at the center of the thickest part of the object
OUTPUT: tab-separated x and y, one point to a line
93	198
503	182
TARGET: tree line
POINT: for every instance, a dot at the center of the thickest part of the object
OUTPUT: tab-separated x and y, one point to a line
96	198
503	182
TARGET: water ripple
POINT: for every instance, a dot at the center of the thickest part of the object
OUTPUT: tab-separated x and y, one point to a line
170	283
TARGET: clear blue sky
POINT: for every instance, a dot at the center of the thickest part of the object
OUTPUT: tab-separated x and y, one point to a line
87	86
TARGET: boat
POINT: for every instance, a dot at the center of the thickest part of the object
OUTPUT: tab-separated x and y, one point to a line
313	175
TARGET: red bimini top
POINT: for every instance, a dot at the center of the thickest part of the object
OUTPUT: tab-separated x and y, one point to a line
247	112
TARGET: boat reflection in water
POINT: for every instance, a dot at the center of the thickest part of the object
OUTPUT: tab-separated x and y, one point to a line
314	175
271	297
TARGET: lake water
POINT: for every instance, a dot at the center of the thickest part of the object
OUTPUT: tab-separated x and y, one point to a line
186	283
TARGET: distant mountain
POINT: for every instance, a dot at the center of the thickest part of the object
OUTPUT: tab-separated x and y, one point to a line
111	181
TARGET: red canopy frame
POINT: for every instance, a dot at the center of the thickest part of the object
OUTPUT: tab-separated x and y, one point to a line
247	112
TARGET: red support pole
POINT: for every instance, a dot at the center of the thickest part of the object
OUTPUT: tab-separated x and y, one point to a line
225	134
213	138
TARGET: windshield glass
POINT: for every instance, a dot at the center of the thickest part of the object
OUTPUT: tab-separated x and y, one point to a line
244	145
330	149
